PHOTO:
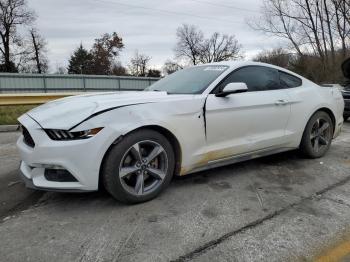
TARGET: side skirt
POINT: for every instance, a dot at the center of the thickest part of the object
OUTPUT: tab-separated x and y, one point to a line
240	158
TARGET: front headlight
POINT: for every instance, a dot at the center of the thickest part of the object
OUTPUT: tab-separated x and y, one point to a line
56	134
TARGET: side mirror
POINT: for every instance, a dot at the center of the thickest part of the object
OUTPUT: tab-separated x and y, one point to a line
232	88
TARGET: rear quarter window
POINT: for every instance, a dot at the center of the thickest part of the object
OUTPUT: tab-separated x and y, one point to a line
289	81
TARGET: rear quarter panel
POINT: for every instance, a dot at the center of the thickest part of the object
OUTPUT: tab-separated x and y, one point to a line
305	101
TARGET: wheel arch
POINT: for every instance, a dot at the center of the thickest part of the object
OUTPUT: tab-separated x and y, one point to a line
165	132
174	143
322	109
330	113
305	147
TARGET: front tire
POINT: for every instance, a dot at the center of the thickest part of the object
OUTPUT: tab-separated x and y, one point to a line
317	136
139	167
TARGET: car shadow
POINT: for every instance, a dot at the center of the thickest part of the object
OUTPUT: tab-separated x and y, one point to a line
203	177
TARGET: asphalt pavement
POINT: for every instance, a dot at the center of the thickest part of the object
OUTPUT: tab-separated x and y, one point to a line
277	208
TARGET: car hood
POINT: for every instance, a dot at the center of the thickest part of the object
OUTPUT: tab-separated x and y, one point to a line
67	112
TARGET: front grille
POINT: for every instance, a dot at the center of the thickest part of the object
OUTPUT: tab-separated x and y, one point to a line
27	138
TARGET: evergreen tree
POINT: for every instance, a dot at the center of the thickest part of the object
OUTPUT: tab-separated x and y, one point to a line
80	62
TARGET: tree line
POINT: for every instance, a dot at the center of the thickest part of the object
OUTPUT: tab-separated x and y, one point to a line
192	48
102	59
23	49
316	34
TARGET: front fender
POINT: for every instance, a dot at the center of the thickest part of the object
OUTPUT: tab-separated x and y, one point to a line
184	121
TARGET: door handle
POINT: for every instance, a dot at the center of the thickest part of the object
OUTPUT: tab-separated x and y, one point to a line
281	102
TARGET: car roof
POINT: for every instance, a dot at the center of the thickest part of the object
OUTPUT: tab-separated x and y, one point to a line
241	63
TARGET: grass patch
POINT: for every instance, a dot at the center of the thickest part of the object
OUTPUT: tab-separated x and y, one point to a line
9	114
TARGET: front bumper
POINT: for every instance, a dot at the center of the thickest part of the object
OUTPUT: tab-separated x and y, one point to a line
81	158
29	184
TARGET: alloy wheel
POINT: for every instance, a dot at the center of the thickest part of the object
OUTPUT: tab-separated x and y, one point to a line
143	167
321	134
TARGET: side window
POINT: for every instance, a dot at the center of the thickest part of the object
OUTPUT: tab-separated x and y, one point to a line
289	81
257	78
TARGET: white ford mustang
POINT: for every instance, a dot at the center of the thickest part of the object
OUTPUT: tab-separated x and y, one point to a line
132	143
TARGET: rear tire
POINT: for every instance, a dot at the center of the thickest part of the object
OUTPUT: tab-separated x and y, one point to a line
139	167
317	136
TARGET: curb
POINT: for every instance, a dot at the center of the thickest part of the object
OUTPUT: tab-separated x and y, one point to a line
9	128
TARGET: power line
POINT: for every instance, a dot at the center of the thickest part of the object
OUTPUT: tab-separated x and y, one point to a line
226	6
168	11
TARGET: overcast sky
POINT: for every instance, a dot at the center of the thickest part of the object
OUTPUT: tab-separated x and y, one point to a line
147	26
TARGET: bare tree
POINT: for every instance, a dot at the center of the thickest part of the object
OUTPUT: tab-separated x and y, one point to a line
32	53
318	28
273	21
38	46
342	22
139	64
220	48
278	57
171	67
189	42
60	70
194	48
12	14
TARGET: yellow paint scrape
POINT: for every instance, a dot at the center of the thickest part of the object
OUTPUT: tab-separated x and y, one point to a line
335	254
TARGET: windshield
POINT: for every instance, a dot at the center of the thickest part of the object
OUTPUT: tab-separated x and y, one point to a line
193	80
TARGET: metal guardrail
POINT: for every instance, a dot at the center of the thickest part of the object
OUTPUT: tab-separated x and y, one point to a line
31	99
47	83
